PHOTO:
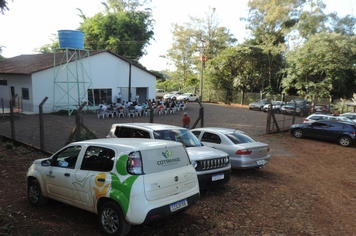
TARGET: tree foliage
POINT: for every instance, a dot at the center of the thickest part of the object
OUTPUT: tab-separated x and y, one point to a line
3	6
320	63
122	28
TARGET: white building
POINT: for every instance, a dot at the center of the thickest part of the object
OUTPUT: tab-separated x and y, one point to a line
33	78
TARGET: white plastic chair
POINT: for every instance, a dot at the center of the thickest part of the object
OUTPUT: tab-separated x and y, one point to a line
110	113
121	113
132	113
100	114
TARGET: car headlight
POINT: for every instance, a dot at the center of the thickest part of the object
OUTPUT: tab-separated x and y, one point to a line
297	110
227	159
194	164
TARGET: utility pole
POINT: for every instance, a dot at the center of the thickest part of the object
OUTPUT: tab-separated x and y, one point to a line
202	59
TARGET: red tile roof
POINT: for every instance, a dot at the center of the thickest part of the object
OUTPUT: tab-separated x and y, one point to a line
31	63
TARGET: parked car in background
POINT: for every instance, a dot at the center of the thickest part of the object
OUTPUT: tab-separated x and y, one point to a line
340	131
302	107
258	105
172	95
276	105
244	151
350	115
320	109
191	97
213	166
315	117
124	181
160	93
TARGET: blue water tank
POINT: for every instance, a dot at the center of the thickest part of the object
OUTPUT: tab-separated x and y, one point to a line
71	39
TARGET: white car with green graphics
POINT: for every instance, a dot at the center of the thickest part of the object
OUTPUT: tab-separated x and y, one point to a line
125	181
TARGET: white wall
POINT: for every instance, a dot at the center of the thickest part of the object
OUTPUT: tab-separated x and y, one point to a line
107	72
19	82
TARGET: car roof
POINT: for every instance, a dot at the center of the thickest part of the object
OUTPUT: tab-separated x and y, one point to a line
219	130
130	143
149	126
316	114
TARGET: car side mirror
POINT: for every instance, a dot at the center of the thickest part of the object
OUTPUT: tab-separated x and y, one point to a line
47	162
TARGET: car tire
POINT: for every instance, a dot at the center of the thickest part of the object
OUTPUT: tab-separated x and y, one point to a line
298	133
197	100
112	220
345	141
34	194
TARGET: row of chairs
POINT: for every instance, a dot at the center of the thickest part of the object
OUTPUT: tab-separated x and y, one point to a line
133	113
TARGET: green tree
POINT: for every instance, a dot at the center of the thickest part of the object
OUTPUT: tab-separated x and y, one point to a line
320	64
3	6
122	28
235	67
50	47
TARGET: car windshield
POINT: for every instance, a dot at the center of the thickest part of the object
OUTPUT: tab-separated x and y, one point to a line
186	94
276	103
181	135
238	138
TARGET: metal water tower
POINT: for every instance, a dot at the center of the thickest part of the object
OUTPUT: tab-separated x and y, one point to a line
72	73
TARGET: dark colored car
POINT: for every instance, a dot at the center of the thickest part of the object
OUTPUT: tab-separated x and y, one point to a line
340	131
302	107
258	105
324	109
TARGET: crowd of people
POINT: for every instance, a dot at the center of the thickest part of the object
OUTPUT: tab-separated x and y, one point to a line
140	108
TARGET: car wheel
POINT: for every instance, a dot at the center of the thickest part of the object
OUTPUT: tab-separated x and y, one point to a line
34	193
345	141
197	100
250	108
298	133
112	220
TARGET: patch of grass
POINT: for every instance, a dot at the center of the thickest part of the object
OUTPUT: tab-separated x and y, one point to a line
9	145
7	222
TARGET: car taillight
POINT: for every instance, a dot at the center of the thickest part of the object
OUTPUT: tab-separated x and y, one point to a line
244	152
134	163
306	120
268	149
354	133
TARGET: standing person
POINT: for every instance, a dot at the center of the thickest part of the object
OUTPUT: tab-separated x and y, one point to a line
186	120
118	97
137	98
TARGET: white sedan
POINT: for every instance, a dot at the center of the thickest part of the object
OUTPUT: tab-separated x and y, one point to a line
172	94
244	150
191	97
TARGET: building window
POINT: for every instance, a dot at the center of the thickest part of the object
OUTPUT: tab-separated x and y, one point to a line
100	96
3	82
25	94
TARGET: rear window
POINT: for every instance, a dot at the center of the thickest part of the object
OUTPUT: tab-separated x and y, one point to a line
181	135
237	138
163	159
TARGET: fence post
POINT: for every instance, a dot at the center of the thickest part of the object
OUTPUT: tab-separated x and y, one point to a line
12	102
41	124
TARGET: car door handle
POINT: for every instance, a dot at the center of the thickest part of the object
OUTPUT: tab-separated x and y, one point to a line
101	180
66	174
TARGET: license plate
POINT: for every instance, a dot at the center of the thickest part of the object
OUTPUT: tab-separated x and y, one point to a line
217	177
178	205
262	162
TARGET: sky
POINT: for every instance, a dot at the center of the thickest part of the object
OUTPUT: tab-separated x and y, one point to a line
30	24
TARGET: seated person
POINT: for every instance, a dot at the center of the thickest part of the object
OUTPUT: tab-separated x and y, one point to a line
138	108
161	102
120	108
100	109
